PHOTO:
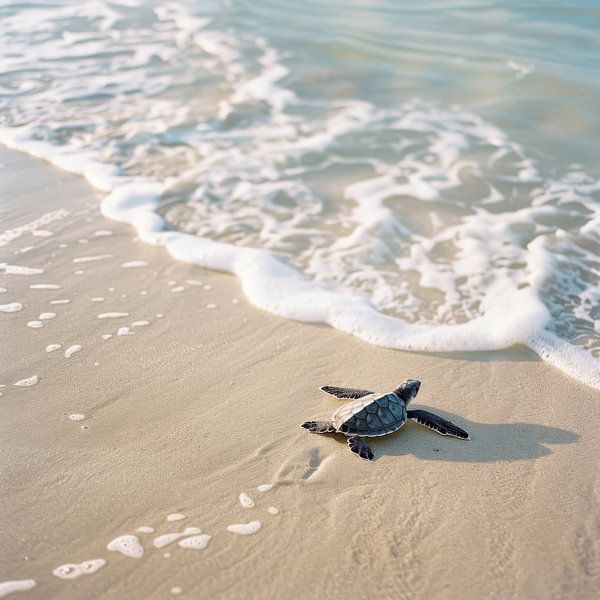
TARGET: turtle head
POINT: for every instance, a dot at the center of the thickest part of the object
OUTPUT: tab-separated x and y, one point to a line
408	389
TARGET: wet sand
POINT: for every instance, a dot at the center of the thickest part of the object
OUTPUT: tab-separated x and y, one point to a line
205	403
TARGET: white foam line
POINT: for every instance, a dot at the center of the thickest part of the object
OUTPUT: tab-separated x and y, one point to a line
113	315
132	264
85	259
13	234
71	350
18	270
16	585
195	542
168	538
44	286
145	529
28	382
175	517
12	307
245	528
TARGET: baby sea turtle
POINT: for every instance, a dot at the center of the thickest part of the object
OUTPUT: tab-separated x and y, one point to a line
371	415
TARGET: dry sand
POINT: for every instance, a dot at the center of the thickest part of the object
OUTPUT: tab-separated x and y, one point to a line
205	403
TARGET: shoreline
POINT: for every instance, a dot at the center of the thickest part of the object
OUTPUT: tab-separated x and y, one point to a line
273	285
205	403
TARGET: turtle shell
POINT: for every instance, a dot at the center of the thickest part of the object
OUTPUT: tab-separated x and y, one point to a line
372	415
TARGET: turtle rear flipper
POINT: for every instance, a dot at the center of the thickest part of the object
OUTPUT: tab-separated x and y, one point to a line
344	393
360	447
319	426
437	424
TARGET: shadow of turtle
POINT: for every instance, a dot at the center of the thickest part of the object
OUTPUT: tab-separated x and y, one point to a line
490	442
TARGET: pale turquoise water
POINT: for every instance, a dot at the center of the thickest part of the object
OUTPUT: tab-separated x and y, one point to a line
436	158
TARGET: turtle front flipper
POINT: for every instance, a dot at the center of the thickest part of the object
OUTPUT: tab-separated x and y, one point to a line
319	426
359	446
437	424
344	393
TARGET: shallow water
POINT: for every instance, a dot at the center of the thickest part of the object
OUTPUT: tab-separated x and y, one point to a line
426	174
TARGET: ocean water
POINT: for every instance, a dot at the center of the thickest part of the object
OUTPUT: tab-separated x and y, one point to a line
421	175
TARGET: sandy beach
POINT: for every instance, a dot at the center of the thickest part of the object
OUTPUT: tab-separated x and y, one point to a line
200	400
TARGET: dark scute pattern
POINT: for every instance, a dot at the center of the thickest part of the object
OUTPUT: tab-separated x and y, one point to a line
374	422
396	408
383	415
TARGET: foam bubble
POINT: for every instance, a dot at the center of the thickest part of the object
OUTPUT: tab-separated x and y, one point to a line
177	289
85	259
46	316
140	324
113	315
168	538
61	301
17	270
124	331
71	350
35	324
98	299
127	545
195	542
79	272
41	233
76	417
12	307
12	234
272	510
3	290
211	306
44	286
176	590
245	528
103	233
134	264
175	517
264	487
106	336
52	347
16	585
246	501
145	529
72	571
27	382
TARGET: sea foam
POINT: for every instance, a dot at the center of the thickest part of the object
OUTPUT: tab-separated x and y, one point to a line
449	237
